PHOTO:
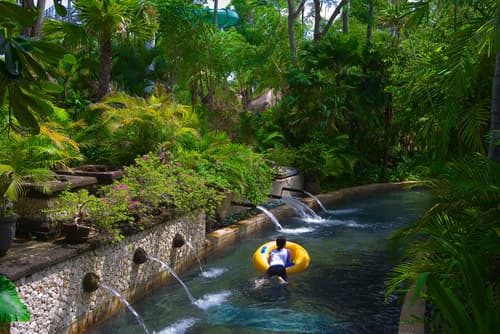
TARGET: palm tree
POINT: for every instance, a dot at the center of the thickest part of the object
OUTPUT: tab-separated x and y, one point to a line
26	66
107	19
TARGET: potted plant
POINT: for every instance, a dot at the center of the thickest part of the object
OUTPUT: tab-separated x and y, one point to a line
79	213
11	308
72	211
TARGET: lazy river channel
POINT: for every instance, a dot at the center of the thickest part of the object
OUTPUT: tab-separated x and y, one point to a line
341	292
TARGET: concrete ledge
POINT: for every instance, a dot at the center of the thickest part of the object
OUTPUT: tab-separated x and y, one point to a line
411	320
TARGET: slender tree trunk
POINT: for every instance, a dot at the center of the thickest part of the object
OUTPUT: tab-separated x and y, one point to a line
216	5
494	149
345	18
104	74
37	28
369	28
292	17
28	5
291	30
388	113
336	12
317	20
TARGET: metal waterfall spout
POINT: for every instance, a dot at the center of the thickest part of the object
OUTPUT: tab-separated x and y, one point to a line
244	204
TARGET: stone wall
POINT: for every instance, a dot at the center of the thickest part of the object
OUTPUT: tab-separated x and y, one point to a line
55	297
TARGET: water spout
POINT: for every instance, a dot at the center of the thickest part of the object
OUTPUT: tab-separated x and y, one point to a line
316	199
195	254
271	216
274	196
178	241
90	282
293	190
127	304
303	210
173	273
245	204
140	256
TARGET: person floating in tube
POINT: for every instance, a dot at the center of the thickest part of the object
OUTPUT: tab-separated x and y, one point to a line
279	259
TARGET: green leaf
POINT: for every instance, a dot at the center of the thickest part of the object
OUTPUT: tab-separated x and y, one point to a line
451	307
52	87
422	278
16	13
21	111
60	9
69	59
11	307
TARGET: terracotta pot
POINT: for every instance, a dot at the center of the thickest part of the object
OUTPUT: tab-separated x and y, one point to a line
7	233
75	234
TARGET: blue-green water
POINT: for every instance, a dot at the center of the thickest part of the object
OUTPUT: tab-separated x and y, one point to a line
341	292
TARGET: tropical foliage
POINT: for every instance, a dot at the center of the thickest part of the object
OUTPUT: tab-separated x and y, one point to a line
454	250
12	308
395	90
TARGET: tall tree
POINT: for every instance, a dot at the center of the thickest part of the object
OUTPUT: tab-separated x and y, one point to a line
293	13
494	147
345	18
318	32
108	19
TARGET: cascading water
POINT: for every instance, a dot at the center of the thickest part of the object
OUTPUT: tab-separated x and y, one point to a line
195	254
173	273
127	304
304	212
271	216
316	199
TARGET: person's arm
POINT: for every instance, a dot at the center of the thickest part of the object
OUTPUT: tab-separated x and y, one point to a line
289	261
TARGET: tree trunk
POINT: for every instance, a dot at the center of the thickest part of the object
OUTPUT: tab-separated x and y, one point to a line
328	25
37	28
291	30
494	149
292	16
28	5
388	112
345	18
104	73
369	28
317	20
216	5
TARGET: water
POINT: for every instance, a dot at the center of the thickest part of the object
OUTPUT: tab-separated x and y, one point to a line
341	292
305	213
127	304
173	273
195	254
316	199
271	216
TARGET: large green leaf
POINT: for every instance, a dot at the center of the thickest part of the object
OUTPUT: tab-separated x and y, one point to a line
17	13
11	307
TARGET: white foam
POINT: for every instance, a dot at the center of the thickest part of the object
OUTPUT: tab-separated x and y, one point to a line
210	300
348	223
213	272
311	220
342	211
178	327
298	230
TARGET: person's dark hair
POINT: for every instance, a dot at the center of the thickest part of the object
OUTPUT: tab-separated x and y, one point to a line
280	242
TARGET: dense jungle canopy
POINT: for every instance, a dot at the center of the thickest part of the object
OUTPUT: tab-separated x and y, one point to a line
363	91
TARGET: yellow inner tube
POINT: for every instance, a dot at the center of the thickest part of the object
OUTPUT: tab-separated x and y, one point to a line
299	256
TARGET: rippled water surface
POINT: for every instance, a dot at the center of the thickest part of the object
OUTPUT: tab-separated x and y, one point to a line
341	292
